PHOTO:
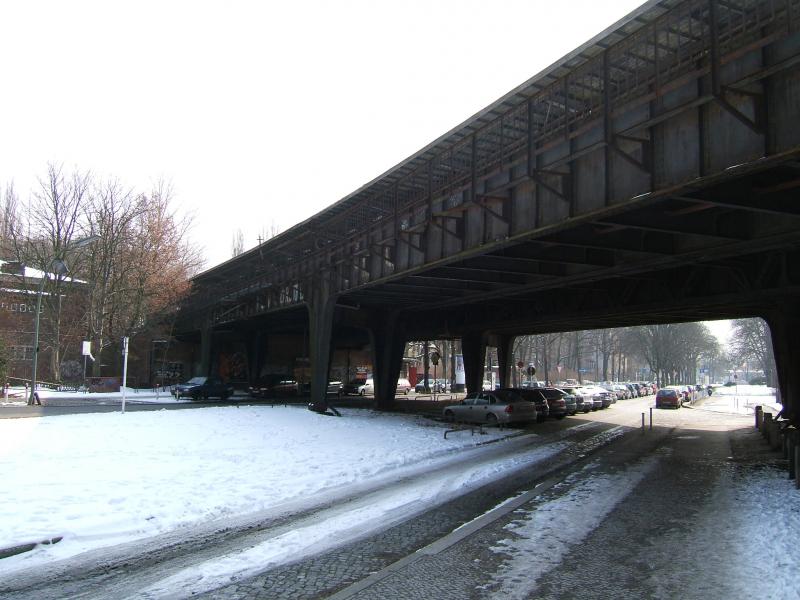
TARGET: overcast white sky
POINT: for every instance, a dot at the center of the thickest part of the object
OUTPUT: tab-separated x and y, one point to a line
261	114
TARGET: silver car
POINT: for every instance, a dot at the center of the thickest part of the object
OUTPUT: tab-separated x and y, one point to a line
491	407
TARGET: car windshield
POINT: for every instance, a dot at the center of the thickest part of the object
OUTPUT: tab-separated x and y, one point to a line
197	380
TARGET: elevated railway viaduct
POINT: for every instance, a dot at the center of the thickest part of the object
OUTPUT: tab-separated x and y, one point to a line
651	175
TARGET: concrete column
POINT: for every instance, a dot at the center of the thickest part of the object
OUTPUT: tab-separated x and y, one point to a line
255	353
784	327
388	342
206	338
505	358
321	310
473	347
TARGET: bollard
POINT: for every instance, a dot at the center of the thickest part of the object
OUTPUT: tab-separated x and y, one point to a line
766	425
787	438
642	421
651	418
775	436
759	416
791	443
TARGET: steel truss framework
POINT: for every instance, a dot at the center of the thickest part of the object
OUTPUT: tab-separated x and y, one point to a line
606	99
667	145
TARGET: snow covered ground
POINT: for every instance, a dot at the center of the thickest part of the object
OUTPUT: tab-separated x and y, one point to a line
101	479
741	399
17	396
108	478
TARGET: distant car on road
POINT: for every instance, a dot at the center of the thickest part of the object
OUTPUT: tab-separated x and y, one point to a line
203	388
491	407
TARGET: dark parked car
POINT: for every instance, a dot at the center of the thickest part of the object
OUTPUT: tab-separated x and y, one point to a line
561	403
274	386
203	388
533	395
669	397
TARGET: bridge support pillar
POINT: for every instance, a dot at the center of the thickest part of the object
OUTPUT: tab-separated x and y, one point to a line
206	337
388	343
505	358
785	331
473	347
320	332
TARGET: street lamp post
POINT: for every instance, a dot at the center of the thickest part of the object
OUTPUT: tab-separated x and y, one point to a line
58	267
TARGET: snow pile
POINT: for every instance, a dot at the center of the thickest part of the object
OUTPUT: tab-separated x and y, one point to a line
103	479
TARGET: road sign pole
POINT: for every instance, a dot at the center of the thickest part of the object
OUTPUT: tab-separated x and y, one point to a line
124	369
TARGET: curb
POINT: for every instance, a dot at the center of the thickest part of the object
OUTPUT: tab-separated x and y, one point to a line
22	548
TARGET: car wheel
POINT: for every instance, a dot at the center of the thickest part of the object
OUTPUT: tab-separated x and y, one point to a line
449	416
361	392
405	391
491	419
224	397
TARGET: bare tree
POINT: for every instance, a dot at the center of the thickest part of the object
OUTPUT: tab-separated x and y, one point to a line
55	221
141	267
112	212
237	245
751	341
9	221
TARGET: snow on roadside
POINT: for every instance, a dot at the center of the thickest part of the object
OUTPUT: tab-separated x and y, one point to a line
103	479
356	519
542	536
741	544
17	396
740	399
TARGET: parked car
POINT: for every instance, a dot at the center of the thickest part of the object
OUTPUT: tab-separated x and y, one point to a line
669	397
273	386
203	388
366	387
533	395
358	387
584	399
561	402
434	385
491	407
403	386
606	398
